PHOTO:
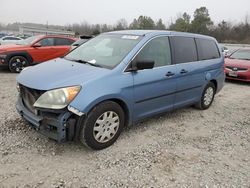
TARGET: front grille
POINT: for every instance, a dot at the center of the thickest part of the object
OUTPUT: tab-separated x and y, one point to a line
236	68
29	97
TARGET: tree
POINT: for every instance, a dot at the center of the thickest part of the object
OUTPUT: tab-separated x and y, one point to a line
201	21
105	28
182	23
121	24
96	29
222	31
134	24
159	25
143	22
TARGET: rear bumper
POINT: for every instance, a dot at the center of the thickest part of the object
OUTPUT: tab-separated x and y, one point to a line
60	127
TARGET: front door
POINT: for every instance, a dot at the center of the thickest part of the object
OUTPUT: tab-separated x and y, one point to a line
154	89
46	52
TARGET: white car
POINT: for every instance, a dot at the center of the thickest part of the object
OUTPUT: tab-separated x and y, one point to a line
225	50
9	40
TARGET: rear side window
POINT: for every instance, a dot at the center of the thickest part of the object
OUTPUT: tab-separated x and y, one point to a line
184	49
207	49
63	42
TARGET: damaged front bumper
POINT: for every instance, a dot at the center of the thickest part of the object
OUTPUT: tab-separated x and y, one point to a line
60	126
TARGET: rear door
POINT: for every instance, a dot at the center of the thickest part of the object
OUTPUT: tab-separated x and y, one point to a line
190	72
154	89
62	46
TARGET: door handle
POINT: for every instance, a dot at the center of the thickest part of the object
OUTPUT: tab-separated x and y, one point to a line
170	74
183	71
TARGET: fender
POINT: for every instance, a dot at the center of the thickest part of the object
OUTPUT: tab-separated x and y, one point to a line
19	53
84	110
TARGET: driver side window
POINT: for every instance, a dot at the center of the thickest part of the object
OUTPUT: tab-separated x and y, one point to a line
158	50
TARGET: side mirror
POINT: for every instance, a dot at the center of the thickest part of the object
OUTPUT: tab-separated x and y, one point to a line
141	64
37	45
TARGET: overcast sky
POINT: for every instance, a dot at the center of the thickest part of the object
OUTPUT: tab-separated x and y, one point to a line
63	12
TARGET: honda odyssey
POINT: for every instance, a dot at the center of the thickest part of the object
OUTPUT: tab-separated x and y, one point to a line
118	79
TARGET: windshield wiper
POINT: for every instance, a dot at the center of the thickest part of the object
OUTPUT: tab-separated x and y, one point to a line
85	62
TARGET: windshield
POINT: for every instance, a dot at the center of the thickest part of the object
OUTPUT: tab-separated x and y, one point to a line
105	50
241	54
28	41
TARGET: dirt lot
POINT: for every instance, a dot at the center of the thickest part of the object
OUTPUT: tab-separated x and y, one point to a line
185	148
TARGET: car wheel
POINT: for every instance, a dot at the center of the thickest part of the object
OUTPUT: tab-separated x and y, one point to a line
17	63
102	126
207	97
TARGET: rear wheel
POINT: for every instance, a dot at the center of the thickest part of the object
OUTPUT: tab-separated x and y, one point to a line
207	97
102	126
17	63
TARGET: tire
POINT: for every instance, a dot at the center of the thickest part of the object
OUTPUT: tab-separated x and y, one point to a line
17	63
207	97
102	126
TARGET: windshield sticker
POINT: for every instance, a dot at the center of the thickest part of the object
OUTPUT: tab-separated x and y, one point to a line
93	61
131	37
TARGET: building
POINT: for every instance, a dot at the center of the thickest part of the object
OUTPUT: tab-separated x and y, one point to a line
36	31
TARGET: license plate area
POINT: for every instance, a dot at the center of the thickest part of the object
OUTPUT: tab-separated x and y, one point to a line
233	73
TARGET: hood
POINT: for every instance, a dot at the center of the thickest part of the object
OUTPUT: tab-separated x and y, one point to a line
237	62
59	73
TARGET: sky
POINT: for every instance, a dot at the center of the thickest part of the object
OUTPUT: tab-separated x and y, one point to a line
62	12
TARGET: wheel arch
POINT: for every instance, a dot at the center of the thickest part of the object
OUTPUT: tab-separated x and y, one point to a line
215	84
121	103
124	108
20	53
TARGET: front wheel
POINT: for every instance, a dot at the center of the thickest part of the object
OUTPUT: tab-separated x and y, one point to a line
102	126
207	97
17	63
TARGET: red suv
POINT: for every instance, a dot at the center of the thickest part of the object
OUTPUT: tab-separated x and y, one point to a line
34	50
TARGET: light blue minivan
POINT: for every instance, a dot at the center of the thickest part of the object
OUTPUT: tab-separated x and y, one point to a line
118	79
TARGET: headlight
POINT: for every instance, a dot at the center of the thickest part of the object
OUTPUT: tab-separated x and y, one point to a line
57	98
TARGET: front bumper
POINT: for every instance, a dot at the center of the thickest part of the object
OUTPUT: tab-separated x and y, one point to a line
57	126
3	60
241	76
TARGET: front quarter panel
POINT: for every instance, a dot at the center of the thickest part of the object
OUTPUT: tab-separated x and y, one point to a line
112	86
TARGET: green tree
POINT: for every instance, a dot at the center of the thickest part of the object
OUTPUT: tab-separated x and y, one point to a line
202	21
223	31
182	23
143	22
134	24
159	25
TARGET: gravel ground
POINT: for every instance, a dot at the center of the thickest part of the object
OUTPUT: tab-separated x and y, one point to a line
184	148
